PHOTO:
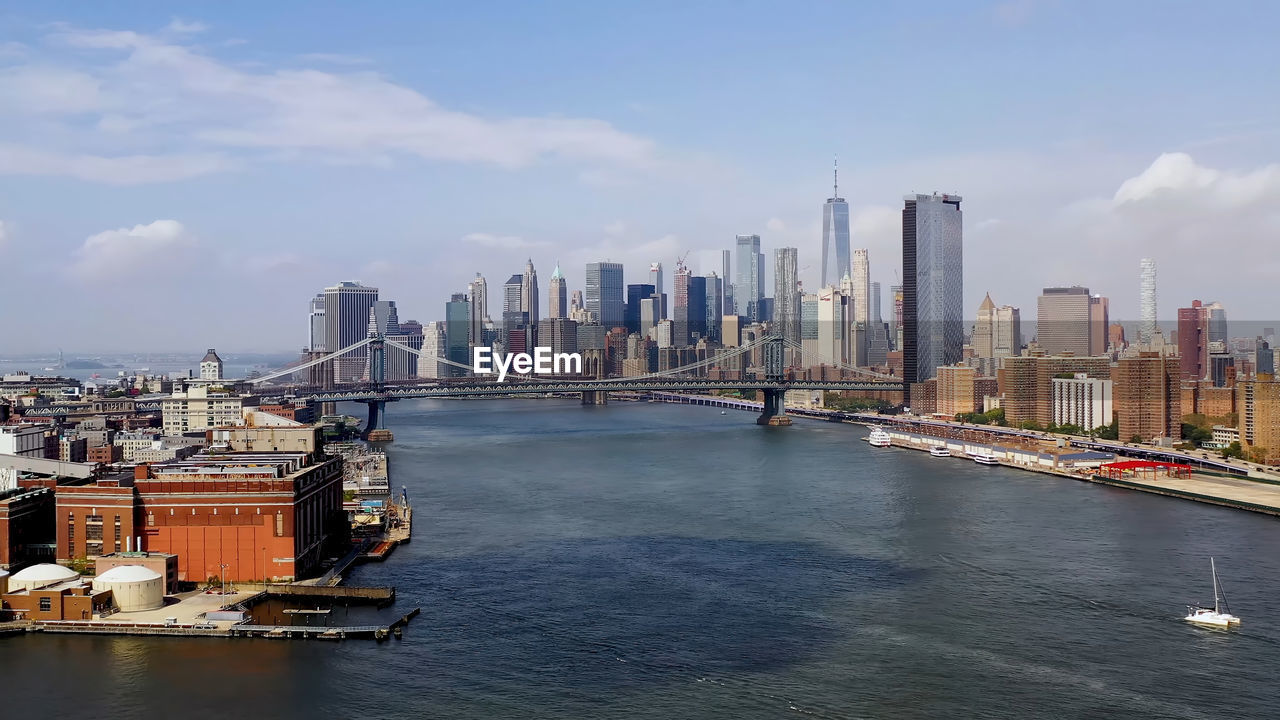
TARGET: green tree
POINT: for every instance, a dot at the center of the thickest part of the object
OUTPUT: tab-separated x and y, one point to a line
1234	450
1032	425
1109	432
1196	434
1135	438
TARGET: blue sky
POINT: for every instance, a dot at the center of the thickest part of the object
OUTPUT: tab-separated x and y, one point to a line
177	177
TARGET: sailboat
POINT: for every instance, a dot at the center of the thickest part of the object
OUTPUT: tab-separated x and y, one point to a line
1220	616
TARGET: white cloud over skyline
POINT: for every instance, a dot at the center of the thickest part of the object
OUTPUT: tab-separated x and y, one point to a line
298	164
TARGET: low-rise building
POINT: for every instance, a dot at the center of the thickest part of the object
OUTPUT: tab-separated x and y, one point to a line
199	408
26	440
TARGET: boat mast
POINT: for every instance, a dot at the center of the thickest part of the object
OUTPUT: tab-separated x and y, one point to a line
1213	568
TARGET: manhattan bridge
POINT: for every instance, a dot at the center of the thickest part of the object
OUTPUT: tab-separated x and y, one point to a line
772	378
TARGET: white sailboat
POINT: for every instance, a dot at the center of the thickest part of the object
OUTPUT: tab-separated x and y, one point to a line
1220	616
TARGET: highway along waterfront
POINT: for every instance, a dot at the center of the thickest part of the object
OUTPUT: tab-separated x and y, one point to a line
643	560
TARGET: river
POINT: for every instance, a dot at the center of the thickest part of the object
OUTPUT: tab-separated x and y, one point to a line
657	561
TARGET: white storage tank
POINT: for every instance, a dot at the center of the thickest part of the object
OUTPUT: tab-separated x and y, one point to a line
4	581
38	576
134	587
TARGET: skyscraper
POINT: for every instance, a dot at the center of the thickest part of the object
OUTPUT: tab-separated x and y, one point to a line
514	318
715	305
529	294
1062	320
749	282
604	293
786	293
659	288
835	235
691	308
1147	302
726	278
1193	341
457	321
878	334
558	297
636	293
346	322
575	301
896	327
984	329
1217	327
315	341
932	284
1099	322
861	292
478	291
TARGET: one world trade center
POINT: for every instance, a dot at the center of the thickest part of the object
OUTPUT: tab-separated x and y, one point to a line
835	235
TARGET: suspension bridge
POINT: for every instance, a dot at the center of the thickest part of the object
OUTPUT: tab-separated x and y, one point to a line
771	377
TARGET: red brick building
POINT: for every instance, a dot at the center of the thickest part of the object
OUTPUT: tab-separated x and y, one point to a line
94	519
105	454
248	514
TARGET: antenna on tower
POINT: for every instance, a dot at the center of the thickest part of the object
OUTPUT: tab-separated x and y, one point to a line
835	176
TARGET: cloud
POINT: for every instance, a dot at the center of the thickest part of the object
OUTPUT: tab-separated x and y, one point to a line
181	27
615	228
122	170
131	251
775	225
335	59
506	242
1177	178
165	100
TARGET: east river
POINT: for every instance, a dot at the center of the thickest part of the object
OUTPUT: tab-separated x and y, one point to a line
656	561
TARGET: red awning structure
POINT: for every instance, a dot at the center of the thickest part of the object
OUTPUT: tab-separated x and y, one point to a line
1144	469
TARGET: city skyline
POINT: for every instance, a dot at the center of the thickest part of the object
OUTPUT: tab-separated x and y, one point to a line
103	191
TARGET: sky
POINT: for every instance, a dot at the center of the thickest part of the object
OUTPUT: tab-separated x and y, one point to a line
175	177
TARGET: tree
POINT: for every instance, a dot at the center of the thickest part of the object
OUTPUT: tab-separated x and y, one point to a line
1109	432
1032	425
1196	434
1234	450
1135	438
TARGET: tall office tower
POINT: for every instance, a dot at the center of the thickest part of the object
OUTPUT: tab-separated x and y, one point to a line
315	329
1147	303
984	338
1062	321
513	316
932	284
604	293
833	328
715	306
835	235
659	287
786	293
529	293
895	330
681	287
559	334
1007	332
1264	358
726	261
383	318
649	318
878	335
637	293
457	328
575	300
1099	321
809	330
1193	341
435	345
1258	402
385	321
478	291
346	322
558	297
861	276
691	314
401	364
748	287
1217	327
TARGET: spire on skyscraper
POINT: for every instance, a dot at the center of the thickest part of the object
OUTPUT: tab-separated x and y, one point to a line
835	176
555	274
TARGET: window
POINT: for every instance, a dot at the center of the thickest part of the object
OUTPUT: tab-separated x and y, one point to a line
46	604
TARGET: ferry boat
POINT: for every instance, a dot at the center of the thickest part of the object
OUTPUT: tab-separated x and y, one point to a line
939	451
983	457
879	438
1220	616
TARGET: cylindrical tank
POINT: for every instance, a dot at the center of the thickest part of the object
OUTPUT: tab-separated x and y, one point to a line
134	587
38	576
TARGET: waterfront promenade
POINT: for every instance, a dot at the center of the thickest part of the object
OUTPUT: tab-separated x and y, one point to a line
1259	491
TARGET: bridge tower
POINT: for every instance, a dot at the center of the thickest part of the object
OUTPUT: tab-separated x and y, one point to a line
774	411
376	430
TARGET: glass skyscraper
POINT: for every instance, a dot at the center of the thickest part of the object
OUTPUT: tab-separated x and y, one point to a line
749	281
835	237
604	293
932	284
786	293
